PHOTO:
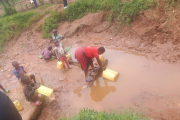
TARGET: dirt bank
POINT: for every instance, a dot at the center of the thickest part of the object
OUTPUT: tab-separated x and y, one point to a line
153	33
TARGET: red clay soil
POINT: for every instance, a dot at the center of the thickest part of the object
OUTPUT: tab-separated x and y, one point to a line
154	33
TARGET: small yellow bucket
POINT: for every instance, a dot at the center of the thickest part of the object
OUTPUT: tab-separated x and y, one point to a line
110	75
68	55
60	65
45	91
18	105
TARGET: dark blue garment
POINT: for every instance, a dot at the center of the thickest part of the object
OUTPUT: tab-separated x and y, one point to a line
35	3
7	109
65	3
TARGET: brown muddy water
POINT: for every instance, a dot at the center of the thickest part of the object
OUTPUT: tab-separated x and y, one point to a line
142	83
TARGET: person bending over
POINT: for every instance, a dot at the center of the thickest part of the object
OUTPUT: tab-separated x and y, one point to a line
85	55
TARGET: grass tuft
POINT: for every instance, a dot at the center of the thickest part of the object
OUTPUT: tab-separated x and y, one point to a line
13	25
87	114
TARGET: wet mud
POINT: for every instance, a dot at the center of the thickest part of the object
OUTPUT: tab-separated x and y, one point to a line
143	83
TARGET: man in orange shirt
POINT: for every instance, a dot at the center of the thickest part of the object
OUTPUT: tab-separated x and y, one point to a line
85	55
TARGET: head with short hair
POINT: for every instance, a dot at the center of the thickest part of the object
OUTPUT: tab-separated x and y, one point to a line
49	48
25	80
54	31
101	50
15	65
56	43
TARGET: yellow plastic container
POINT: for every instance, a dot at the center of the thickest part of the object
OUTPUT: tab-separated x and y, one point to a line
101	58
60	65
68	55
45	91
18	105
110	75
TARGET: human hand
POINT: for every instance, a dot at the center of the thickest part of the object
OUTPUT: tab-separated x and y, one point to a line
37	85
101	68
22	73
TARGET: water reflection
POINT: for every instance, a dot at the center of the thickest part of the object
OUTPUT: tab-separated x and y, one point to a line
98	92
77	91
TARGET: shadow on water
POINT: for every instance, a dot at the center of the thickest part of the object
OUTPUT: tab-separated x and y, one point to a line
98	92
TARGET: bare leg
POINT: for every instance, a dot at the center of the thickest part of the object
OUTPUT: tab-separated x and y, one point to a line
50	56
86	73
92	66
66	61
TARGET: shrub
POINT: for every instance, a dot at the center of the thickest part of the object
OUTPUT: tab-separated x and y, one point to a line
9	11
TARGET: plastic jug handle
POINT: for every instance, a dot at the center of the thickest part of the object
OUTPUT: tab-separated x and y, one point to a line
16	103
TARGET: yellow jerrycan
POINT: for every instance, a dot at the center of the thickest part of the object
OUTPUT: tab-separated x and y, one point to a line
68	55
101	58
110	75
45	91
18	105
60	65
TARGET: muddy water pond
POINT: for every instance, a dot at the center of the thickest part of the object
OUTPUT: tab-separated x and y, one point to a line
142	83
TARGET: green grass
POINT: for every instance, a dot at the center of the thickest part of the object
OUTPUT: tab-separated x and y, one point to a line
87	114
13	25
124	13
173	3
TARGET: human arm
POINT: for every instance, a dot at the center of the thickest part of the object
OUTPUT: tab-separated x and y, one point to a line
2	87
55	53
30	92
53	38
23	69
19	75
33	77
99	62
61	37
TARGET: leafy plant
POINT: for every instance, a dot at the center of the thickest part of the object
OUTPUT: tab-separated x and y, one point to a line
51	1
26	6
41	2
87	114
9	11
173	2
